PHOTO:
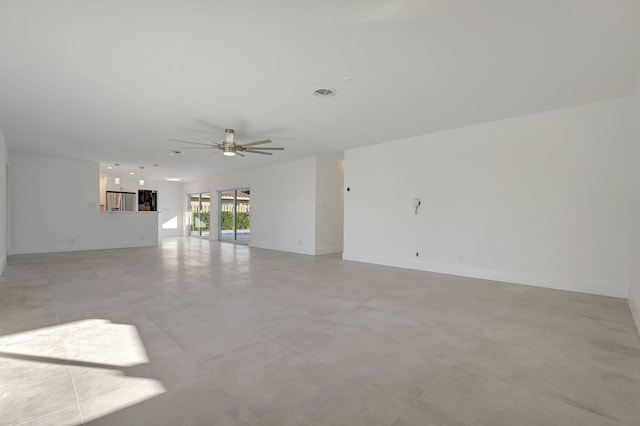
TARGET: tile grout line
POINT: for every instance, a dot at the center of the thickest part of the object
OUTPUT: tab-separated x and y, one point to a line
231	395
450	366
43	416
437	379
543	394
550	396
64	347
447	368
176	344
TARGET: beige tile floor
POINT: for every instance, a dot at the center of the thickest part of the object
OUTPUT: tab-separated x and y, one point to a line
202	333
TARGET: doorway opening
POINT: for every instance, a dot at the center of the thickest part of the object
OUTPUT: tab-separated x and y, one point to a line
200	214
235	215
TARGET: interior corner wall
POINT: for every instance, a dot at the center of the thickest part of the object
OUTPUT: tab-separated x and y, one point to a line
170	207
282	203
54	206
282	206
541	199
634	288
4	208
329	203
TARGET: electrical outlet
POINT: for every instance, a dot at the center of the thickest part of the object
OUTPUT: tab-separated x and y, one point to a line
417	254
460	259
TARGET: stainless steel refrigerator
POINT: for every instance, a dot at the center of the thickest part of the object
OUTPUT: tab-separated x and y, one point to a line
121	201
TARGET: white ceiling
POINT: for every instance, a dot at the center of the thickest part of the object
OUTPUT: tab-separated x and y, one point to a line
111	81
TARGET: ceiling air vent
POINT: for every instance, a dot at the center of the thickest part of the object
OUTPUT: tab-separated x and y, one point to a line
323	92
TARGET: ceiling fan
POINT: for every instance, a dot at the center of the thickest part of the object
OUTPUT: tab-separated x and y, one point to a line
229	147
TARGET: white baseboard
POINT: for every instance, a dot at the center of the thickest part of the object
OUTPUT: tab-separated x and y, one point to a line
328	250
81	247
280	247
298	249
634	305
599	288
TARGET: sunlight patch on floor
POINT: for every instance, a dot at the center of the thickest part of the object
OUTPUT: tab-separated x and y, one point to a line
94	355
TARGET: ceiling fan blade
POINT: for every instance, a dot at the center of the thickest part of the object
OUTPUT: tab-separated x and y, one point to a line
210	125
267	149
195	143
257	142
199	147
259	152
202	138
241	155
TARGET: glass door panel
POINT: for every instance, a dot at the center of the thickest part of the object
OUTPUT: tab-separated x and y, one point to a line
194	208
243	208
235	207
227	215
205	214
200	214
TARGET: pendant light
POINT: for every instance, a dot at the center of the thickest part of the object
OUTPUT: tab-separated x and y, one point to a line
141	181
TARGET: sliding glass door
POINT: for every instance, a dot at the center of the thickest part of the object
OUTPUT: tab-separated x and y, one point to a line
234	222
200	214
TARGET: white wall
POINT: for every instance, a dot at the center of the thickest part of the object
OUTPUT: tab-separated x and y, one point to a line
54	207
4	212
541	199
283	206
282	203
634	289
170	207
329	203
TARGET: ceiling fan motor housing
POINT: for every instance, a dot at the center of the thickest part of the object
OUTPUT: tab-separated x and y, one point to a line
228	135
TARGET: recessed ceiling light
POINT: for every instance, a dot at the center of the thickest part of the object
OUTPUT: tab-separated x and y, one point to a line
324	92
109	167
176	152
131	173
173	179
155	165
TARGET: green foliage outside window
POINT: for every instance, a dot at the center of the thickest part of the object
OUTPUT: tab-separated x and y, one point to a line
227	220
206	223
